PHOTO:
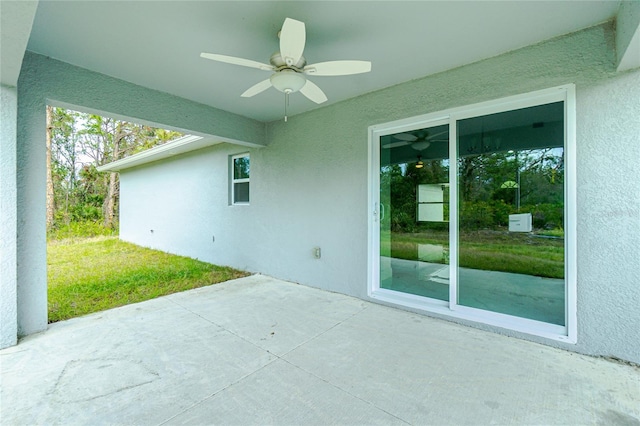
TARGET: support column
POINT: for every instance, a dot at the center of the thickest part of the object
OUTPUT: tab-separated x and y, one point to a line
8	217
31	172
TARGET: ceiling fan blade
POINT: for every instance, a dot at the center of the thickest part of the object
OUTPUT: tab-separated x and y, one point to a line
292	40
313	92
406	137
237	61
395	144
438	134
257	88
334	68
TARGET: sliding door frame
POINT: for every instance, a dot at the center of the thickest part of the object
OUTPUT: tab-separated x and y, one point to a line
566	333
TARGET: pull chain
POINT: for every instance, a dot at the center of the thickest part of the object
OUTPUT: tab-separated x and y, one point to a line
286	104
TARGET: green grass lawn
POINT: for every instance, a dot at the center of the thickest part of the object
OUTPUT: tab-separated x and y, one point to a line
486	250
93	274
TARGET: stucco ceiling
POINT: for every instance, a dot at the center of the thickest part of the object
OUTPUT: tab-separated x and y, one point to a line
157	44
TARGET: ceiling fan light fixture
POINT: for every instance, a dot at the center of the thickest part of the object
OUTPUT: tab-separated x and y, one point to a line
419	146
288	81
419	164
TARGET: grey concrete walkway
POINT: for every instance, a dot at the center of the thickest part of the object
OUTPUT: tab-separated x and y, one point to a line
263	351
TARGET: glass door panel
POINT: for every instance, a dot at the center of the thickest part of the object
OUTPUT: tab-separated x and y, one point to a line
511	213
414	212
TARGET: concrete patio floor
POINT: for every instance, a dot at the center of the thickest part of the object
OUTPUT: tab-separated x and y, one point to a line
263	351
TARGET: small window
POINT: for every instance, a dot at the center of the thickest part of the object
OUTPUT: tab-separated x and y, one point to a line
240	179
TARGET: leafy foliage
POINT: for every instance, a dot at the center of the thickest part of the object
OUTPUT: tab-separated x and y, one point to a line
484	201
79	144
398	191
491	186
80	229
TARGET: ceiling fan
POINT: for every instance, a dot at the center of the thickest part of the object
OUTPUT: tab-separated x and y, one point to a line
290	68
419	141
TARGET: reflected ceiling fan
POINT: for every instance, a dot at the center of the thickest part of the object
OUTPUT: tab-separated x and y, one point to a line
290	68
419	141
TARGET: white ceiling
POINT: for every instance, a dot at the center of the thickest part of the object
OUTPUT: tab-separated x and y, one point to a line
157	44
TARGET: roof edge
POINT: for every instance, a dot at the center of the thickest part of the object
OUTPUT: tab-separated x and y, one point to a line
175	147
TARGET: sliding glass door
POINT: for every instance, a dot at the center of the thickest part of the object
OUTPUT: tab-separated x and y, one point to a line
511	211
471	213
414	211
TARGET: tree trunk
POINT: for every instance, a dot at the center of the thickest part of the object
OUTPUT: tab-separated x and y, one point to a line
110	201
50	196
112	190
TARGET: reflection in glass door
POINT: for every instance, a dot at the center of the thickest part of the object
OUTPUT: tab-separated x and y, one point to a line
472	211
511	213
414	212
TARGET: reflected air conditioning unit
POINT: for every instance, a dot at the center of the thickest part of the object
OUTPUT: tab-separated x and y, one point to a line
520	222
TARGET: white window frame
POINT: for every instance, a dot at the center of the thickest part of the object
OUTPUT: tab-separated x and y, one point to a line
233	180
566	333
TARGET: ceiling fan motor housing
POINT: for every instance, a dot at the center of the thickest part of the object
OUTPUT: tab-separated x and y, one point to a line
277	61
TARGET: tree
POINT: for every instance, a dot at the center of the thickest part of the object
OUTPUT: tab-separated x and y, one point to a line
398	190
63	160
484	201
50	192
79	144
113	186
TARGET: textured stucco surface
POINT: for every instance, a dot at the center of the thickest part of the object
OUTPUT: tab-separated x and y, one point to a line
45	80
309	186
68	85
180	205
8	217
609	216
31	205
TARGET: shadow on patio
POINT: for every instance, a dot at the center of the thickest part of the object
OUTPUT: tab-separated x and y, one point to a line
263	351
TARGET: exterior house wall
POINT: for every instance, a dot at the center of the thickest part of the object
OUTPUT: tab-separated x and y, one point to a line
16	19
309	187
180	206
608	125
